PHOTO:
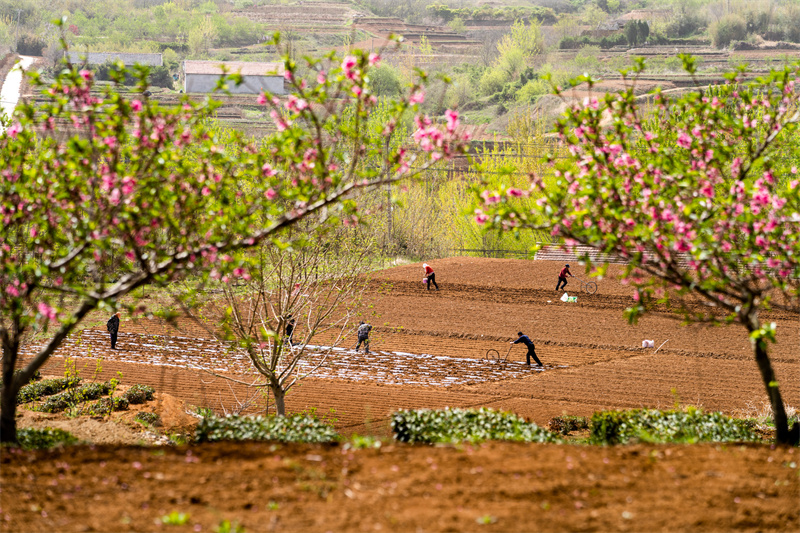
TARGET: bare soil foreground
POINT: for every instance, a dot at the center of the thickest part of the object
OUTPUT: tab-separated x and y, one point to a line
428	352
492	487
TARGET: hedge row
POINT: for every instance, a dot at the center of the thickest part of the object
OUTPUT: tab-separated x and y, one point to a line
294	428
34	391
456	425
619	427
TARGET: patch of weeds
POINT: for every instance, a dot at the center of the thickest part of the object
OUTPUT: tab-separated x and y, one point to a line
226	526
178	439
486	519
175	519
205	412
148	419
567	423
359	442
272	505
40	439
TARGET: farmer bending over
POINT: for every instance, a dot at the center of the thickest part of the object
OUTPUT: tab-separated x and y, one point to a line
562	277
531	348
430	276
363	336
113	328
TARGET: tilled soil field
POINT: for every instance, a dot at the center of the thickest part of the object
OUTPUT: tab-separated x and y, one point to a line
428	351
429	348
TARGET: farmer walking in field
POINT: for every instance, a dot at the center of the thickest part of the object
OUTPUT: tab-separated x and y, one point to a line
363	336
290	322
113	328
430	276
524	339
562	277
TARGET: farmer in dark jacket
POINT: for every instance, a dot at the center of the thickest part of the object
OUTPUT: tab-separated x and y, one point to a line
531	348
113	327
290	323
363	336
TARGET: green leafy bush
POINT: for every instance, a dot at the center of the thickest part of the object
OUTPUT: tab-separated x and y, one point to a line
294	428
728	29
456	425
37	376
36	439
566	423
139	394
73	396
151	419
619	427
47	387
106	405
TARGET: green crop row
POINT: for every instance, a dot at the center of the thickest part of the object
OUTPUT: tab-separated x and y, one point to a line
294	428
651	425
456	425
36	390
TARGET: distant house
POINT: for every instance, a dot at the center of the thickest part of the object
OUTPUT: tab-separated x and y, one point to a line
100	58
202	76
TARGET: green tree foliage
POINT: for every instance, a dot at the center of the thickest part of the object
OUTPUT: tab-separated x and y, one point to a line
102	192
728	29
701	198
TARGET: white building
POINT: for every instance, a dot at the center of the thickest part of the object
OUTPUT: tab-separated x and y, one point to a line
100	58
202	76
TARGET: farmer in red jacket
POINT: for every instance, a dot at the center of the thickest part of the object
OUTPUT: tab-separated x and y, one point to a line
562	277
430	276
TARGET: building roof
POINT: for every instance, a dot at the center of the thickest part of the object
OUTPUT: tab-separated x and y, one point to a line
246	68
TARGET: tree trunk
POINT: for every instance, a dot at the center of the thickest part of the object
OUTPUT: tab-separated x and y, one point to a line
8	407
782	433
280	395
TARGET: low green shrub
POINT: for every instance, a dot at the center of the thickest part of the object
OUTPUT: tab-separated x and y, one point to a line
36	376
139	394
294	428
73	396
34	391
37	439
566	423
105	405
651	425
150	419
456	425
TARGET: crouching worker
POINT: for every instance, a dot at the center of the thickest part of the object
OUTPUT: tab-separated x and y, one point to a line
363	336
531	348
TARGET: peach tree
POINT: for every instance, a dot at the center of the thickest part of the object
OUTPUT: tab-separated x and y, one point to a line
104	191
697	194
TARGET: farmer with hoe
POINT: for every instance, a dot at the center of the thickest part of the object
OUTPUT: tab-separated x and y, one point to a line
113	328
363	336
524	339
430	276
562	277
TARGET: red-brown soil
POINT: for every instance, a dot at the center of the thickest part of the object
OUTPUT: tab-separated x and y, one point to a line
493	487
430	347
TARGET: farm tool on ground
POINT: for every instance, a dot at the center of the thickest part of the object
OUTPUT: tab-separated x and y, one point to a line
493	356
589	287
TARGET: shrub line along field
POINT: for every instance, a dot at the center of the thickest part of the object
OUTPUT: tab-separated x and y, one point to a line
430	348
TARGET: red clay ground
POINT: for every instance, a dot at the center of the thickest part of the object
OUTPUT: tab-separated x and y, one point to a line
593	359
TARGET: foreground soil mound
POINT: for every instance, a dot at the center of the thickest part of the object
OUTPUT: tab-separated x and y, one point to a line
492	487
